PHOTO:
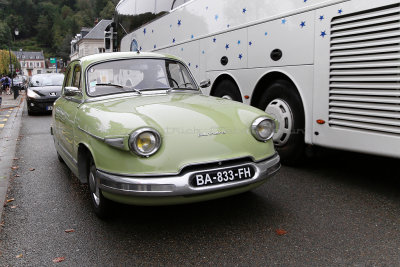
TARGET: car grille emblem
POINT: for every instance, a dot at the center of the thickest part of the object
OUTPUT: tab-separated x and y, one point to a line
53	94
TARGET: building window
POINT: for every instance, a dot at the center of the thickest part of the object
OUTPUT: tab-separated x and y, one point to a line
38	64
101	50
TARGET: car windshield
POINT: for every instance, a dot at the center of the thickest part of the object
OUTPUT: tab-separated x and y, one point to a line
47	80
137	75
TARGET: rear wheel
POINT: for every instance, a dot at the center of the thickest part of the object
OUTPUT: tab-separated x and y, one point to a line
228	90
60	159
282	102
99	203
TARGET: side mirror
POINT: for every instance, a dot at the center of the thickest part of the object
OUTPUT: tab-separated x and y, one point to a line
72	91
205	84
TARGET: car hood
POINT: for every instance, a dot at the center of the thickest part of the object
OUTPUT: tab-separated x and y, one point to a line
47	90
194	128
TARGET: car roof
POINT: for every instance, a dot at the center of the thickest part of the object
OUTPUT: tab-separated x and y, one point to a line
122	55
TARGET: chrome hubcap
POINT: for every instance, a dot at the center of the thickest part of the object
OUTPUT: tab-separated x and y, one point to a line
94	188
280	110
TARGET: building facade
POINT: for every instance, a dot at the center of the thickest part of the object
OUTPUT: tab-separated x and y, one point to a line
31	62
89	41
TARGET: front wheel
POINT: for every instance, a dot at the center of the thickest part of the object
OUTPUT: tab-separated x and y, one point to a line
282	102
99	203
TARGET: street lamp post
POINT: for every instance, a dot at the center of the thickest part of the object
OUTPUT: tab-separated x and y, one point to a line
16	32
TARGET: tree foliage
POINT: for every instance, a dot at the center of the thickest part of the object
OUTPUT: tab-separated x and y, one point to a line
5	62
50	24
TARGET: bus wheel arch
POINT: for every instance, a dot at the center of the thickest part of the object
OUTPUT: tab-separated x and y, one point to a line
226	87
277	94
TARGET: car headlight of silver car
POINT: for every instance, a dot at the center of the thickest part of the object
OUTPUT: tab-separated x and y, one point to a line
263	129
31	94
145	142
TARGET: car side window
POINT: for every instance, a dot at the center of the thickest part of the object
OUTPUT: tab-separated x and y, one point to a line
76	80
67	79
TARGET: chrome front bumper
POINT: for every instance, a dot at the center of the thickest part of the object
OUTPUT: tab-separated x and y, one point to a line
179	185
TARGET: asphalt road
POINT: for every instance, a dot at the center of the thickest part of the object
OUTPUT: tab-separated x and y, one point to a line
338	209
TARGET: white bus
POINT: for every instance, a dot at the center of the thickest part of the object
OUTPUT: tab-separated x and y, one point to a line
327	70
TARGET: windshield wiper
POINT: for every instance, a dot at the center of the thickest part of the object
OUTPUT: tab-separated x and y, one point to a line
120	86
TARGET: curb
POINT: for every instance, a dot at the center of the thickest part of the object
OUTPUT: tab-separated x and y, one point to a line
8	143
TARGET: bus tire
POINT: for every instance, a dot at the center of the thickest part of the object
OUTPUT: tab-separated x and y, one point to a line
227	89
282	101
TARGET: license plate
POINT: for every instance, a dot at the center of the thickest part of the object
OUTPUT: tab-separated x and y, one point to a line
228	175
49	108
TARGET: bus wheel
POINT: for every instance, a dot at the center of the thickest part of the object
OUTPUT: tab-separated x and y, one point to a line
228	90
282	102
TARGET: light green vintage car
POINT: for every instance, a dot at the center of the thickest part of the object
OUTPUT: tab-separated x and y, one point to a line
137	128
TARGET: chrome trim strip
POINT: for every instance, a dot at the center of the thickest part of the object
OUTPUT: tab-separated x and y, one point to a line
185	166
179	185
92	135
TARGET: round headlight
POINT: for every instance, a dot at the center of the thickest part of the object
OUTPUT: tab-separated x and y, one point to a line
145	142
263	129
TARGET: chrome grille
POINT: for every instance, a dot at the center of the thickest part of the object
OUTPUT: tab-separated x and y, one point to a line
364	91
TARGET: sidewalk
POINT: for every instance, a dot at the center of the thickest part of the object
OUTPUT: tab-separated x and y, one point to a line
8	141
8	101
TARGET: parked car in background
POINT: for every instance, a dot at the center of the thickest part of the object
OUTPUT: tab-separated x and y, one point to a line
138	130
43	90
19	83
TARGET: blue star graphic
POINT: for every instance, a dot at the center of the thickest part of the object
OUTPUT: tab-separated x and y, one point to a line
303	24
192	36
240	56
226	46
266	33
155	46
203	52
197	66
216	17
179	22
321	18
173	40
214	40
239	42
144	30
323	34
340	11
244	10
284	21
189	64
228	26
250	43
152	31
305	1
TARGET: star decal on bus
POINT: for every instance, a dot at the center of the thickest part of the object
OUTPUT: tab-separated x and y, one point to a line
302	24
323	34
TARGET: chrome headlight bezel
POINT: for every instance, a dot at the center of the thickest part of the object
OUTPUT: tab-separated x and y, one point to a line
132	142
255	131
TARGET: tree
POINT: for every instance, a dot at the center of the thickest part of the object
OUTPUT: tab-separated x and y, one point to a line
108	11
44	34
5	62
